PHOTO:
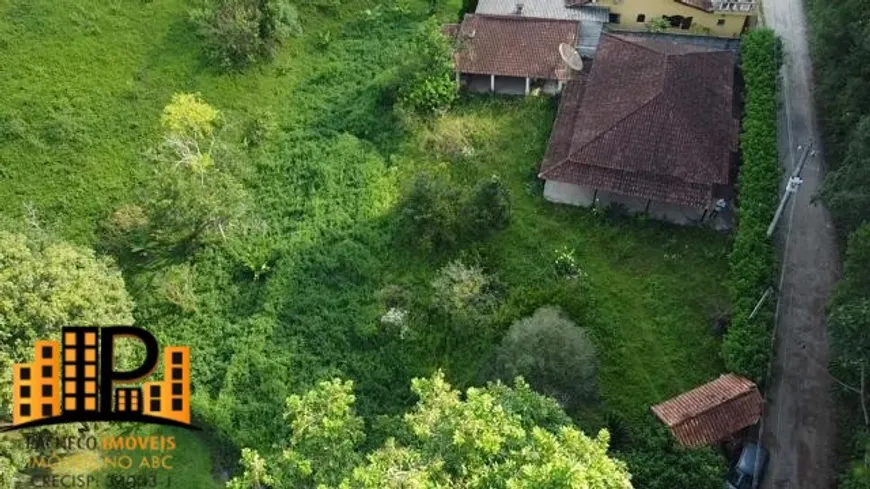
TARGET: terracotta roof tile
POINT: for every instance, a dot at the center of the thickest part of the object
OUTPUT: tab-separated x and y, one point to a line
713	411
512	45
655	121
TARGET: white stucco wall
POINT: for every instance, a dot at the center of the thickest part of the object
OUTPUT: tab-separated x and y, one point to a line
567	193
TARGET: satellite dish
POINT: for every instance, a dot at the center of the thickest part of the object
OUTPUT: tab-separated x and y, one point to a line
571	57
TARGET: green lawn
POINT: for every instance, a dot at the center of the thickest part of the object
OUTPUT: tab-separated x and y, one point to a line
80	97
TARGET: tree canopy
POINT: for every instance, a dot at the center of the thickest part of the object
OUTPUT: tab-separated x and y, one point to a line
487	438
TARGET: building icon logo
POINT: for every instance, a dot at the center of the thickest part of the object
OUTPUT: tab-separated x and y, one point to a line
74	380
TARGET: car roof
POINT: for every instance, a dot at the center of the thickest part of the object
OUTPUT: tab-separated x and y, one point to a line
748	457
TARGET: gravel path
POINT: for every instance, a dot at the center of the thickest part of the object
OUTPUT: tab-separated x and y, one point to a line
798	426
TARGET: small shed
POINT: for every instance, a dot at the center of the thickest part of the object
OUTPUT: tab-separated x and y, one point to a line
511	54
712	412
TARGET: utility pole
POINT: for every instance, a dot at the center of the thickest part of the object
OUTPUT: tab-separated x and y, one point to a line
791	187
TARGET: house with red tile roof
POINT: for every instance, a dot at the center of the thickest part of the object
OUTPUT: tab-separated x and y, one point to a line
512	54
653	127
713	412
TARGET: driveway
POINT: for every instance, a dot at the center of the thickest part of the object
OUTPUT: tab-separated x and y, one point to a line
798	425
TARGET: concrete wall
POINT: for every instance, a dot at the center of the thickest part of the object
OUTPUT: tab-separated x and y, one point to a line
567	193
703	23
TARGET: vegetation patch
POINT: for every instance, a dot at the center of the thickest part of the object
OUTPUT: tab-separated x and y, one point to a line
747	343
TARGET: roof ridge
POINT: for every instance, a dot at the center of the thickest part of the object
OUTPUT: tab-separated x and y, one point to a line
602	133
751	387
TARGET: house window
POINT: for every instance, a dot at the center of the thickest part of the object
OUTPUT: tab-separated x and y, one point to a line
687	23
641	18
675	20
613	18
720	22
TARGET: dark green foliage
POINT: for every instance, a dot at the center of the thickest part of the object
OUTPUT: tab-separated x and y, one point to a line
857	473
553	354
849	320
746	346
240	32
468	7
437	214
430	214
427	82
656	461
489	208
846	188
842	67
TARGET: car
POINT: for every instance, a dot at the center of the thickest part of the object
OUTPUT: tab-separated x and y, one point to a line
749	470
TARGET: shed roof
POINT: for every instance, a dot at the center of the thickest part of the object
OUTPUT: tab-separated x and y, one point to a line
656	121
713	411
514	45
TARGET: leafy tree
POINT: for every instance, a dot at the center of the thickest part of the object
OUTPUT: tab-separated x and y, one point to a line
437	214
192	196
45	285
427	81
475	442
489	208
849	321
846	189
856	279
240	32
555	355
430	215
463	290
254	475
325	435
489	437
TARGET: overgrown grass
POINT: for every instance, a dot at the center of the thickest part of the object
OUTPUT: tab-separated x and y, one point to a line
80	102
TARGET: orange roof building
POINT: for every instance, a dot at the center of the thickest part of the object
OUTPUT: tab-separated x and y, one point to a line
712	412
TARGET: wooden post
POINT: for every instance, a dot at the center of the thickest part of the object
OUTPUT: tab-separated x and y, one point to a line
704	215
594	198
528	85
646	209
492	83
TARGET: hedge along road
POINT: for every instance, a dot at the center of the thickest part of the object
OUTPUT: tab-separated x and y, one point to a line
798	426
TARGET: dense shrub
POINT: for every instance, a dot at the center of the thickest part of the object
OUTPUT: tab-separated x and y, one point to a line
841	57
430	214
656	461
847	189
240	32
489	208
746	346
437	214
459	290
427	80
553	354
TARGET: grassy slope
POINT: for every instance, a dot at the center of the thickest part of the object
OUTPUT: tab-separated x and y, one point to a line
81	101
652	288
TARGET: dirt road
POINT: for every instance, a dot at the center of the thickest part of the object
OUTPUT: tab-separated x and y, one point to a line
798	425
